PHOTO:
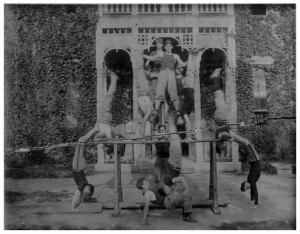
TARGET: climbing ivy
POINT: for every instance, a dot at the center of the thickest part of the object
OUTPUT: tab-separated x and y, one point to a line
271	35
54	44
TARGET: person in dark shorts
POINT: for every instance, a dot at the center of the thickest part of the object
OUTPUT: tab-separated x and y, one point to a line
188	91
255	169
84	189
162	154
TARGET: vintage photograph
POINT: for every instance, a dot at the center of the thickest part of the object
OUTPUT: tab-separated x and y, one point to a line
163	116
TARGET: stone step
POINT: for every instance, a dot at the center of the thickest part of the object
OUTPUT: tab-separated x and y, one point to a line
283	168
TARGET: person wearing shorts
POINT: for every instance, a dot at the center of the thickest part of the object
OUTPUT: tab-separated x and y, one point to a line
78	165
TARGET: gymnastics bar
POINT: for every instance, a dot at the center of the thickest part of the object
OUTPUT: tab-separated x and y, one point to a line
213	190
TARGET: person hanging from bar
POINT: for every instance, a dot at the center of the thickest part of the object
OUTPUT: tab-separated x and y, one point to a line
166	78
188	84
220	115
103	128
142	87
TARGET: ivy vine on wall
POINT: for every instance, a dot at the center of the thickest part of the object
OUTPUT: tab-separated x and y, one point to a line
271	35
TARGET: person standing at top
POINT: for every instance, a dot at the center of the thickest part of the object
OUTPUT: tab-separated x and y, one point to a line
166	78
155	68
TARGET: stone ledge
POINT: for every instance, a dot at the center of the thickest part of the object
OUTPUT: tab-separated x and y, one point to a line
283	168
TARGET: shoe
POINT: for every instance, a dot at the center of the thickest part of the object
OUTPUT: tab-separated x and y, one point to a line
188	218
153	117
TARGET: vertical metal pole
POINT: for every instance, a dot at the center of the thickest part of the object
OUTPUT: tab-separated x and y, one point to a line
213	178
116	185
119	177
211	186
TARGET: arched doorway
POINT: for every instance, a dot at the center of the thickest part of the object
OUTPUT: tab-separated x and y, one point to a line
122	104
210	59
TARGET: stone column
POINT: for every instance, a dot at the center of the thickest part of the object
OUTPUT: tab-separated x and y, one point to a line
232	81
139	149
195	149
101	82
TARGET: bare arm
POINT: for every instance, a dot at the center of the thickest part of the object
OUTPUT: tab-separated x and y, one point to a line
239	139
183	64
151	58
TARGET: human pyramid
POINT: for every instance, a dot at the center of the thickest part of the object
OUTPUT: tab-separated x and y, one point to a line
166	187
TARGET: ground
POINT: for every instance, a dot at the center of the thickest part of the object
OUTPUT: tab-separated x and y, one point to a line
45	204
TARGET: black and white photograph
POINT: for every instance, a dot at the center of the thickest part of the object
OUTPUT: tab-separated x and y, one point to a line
149	116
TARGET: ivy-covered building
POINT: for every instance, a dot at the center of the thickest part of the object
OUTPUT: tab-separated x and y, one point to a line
56	57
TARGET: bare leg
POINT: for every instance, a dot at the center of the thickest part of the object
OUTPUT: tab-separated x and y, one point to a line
153	86
144	120
113	84
89	134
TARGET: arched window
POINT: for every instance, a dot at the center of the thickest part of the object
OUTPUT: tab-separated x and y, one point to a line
260	92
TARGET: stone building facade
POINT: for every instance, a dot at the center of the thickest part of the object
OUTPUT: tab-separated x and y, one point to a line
210	27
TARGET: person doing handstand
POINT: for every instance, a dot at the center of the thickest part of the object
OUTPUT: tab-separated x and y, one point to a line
255	168
103	123
142	86
188	91
223	132
84	189
103	128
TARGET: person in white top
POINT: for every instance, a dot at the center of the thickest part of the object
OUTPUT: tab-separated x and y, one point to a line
166	78
155	68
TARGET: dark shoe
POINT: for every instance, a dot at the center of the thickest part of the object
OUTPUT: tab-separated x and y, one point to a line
89	200
188	218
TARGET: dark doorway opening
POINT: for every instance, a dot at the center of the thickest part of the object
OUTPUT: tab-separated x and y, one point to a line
122	105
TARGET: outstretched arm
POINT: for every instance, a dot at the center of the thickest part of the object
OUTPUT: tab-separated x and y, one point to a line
151	58
183	64
239	139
